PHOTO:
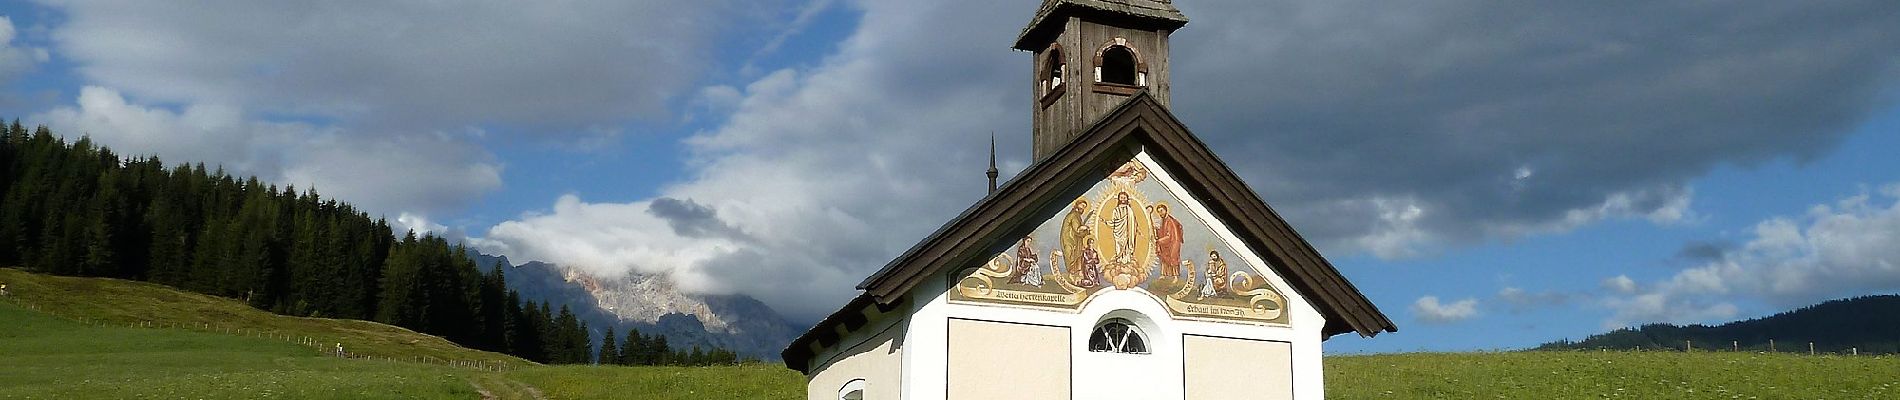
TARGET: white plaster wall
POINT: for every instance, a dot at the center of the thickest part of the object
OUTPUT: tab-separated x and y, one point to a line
999	360
1231	369
873	353
925	360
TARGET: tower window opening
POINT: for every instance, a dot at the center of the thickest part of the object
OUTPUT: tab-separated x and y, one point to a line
1117	335
1118	66
1052	71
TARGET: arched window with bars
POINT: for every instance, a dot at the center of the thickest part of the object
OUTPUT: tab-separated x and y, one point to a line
1117	335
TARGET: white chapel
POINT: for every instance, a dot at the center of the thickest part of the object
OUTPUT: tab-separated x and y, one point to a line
1127	262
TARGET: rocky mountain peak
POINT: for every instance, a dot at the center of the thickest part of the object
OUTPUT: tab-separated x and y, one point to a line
653	304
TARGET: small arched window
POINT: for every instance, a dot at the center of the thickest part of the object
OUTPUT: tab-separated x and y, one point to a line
1117	335
853	390
1118	66
1052	71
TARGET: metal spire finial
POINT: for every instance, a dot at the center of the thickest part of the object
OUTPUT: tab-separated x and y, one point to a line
992	171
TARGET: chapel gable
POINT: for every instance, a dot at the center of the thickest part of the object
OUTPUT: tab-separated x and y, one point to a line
1131	231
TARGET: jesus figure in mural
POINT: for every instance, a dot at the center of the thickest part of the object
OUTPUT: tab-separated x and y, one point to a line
1121	224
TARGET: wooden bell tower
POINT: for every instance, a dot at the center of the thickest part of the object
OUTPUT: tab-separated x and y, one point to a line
1090	56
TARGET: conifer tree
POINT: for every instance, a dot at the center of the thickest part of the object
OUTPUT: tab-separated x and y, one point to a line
631	352
609	352
99	258
582	344
168	258
512	323
493	300
530	333
662	353
564	347
401	300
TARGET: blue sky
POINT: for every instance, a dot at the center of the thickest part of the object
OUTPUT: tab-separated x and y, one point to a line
1729	202
1492	176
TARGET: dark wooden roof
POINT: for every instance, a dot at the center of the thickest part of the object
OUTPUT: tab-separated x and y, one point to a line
1154	14
1139	123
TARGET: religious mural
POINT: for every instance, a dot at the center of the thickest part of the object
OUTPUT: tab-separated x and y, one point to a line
1126	233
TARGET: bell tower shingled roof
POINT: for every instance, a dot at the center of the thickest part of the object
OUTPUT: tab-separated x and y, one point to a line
1160	13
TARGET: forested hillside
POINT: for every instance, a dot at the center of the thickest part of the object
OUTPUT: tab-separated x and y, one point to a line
1870	325
79	209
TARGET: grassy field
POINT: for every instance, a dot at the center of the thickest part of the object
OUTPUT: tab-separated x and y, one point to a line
111	339
43	356
1595	375
759	381
128	303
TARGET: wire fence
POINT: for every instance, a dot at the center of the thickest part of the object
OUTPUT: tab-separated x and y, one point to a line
329	347
1736	346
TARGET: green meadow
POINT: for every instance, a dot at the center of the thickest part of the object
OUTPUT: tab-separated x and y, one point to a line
1615	374
114	302
81	338
45	357
42	357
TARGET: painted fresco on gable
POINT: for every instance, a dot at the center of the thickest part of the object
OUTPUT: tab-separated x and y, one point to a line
1126	233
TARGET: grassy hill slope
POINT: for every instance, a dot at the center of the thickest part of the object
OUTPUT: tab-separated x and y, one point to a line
109	338
43	357
127	303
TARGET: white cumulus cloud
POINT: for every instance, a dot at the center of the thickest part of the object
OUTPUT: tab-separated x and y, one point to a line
14	58
382	173
1842	249
1620	284
819	175
553	66
1429	310
379	103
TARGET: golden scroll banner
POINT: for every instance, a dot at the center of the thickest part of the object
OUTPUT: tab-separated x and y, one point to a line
1020	296
982	287
1263	305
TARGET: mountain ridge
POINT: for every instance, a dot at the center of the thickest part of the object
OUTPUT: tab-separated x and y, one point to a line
652	304
1865	324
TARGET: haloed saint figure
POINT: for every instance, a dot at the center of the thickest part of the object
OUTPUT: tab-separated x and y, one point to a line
1167	240
1078	245
1026	271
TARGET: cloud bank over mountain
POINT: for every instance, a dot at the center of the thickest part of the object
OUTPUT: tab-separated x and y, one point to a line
388	103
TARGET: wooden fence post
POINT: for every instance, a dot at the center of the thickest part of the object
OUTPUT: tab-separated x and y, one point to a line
1810	348
1771	345
1688	346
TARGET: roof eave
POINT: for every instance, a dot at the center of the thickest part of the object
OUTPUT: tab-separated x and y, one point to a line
1040	30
